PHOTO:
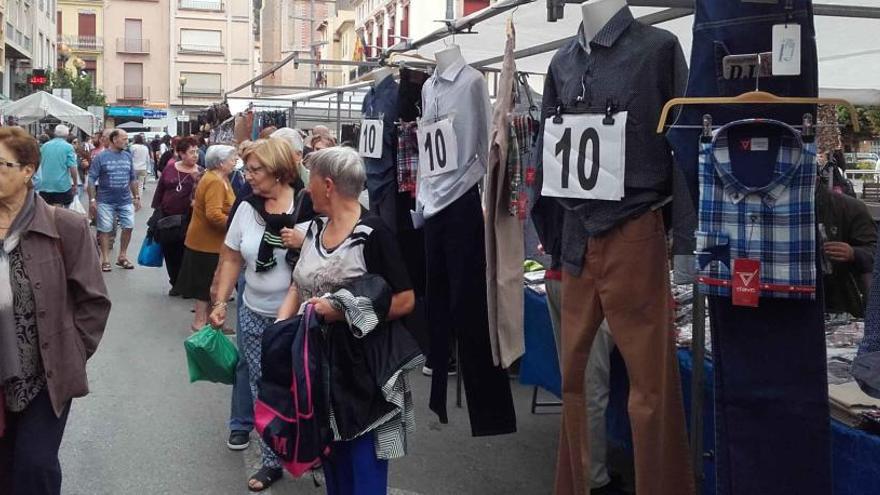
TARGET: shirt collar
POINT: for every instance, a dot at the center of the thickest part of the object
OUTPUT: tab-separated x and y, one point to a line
42	223
610	32
452	71
784	169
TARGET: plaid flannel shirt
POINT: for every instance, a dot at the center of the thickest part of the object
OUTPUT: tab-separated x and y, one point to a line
407	157
774	223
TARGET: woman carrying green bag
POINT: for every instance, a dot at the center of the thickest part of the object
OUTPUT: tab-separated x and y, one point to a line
255	239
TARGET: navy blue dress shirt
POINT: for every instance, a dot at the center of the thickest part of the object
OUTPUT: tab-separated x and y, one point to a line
380	103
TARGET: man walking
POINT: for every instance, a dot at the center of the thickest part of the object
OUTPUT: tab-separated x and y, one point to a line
58	174
114	193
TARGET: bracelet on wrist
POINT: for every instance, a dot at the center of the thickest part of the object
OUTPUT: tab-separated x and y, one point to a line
219	304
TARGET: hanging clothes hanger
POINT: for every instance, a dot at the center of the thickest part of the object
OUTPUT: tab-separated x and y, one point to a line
756	97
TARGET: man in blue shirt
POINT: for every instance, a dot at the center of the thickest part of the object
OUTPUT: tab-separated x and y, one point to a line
58	173
114	193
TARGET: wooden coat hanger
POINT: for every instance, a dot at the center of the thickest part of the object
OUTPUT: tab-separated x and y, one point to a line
756	98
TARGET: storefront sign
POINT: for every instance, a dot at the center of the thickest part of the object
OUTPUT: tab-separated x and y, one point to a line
151	113
124	112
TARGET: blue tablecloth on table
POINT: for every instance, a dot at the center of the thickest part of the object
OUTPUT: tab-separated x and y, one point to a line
855	454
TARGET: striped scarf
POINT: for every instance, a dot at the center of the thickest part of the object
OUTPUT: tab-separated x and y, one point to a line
272	235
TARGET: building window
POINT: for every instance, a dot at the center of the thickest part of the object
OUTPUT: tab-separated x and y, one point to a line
471	6
200	41
216	5
133	87
202	83
391	24
404	22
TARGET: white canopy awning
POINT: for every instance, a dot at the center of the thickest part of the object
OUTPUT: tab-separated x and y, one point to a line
40	105
849	54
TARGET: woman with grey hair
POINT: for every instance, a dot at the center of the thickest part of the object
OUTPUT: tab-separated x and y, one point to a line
204	237
345	242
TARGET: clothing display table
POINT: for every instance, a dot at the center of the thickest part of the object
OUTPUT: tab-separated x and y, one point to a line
855	454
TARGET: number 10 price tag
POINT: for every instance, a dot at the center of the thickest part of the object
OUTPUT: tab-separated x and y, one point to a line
438	149
370	145
584	158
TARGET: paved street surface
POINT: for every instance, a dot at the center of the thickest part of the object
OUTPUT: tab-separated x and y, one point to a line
144	429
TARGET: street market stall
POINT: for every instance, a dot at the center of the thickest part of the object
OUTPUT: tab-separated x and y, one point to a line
40	105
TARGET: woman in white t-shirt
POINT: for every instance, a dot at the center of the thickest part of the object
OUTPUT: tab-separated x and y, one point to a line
254	239
140	158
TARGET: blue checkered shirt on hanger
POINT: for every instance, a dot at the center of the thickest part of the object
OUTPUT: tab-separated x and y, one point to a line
774	223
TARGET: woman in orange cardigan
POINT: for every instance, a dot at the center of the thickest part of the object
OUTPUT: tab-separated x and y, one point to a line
207	229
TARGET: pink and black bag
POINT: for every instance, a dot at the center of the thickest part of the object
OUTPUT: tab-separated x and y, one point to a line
292	407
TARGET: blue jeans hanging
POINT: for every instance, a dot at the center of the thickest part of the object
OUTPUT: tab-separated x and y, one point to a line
771	396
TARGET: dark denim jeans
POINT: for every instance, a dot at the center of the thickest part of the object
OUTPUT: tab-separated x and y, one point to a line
241	415
771	396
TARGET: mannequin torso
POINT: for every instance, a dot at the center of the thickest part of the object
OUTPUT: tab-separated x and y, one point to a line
448	56
596	14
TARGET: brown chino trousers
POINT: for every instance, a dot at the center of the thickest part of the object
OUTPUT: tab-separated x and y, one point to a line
625	279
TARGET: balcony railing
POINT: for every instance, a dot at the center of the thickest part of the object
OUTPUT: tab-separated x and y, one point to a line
84	42
215	5
132	93
191	48
187	91
132	45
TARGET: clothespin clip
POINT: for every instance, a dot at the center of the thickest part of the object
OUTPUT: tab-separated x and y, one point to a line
707	128
610	110
808	130
557	117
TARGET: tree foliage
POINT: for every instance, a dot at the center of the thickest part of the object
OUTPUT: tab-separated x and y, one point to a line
869	121
82	92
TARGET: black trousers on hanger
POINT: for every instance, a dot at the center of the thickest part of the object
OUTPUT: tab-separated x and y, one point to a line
455	253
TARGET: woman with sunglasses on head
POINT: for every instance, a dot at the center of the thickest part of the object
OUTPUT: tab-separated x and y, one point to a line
53	310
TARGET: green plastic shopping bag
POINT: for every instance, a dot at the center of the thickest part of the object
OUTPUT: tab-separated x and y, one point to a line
210	356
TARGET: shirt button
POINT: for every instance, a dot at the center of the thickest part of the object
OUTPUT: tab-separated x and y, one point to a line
41	313
45	345
49	374
37	285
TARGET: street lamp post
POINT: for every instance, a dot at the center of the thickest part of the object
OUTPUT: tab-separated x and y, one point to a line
182	81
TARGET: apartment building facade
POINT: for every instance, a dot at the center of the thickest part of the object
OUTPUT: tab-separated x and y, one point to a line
30	42
136	51
289	26
211	52
338	38
383	23
80	27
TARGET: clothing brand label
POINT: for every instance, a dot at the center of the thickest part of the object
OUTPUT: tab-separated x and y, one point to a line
760	144
438	149
584	158
746	282
749	66
370	145
787	50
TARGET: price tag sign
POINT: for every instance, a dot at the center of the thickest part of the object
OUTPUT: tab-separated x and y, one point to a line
370	145
787	50
438	149
584	158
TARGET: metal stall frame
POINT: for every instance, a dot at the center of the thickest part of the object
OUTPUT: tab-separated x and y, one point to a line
673	9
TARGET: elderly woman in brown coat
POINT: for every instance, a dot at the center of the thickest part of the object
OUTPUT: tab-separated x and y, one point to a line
53	310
